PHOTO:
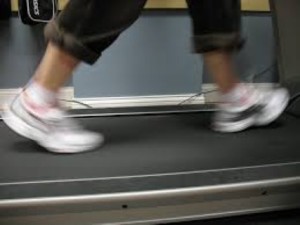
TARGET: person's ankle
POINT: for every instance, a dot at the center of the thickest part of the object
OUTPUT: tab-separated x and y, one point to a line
37	99
40	94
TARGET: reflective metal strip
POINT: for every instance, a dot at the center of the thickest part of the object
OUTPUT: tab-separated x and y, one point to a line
144	195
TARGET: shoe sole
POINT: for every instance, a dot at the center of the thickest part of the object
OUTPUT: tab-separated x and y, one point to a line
235	127
254	121
24	130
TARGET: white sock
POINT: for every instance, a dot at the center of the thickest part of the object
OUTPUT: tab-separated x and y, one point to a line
239	96
40	96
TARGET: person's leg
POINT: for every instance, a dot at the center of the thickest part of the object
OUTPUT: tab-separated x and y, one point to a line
55	69
216	27
80	33
222	69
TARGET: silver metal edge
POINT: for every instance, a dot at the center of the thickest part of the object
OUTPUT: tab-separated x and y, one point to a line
143	195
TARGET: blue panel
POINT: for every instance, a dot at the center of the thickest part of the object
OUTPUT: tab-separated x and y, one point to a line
21	48
153	57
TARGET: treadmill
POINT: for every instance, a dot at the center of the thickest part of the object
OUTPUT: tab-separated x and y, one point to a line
161	165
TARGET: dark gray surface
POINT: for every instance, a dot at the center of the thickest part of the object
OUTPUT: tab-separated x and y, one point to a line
291	217
154	183
151	144
287	30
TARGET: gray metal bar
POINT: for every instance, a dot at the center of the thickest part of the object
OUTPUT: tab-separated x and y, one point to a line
197	202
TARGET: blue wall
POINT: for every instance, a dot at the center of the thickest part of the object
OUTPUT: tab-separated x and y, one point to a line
21	48
153	57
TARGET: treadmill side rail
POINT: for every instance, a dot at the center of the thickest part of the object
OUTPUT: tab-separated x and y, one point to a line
152	207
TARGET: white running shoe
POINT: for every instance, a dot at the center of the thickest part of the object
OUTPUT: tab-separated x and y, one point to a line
267	107
53	131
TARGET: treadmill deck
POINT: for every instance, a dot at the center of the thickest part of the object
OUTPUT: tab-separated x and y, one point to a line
153	168
152	146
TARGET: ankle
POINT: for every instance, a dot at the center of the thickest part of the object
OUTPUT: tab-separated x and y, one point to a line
40	95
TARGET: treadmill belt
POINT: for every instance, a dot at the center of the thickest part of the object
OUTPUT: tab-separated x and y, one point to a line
145	145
